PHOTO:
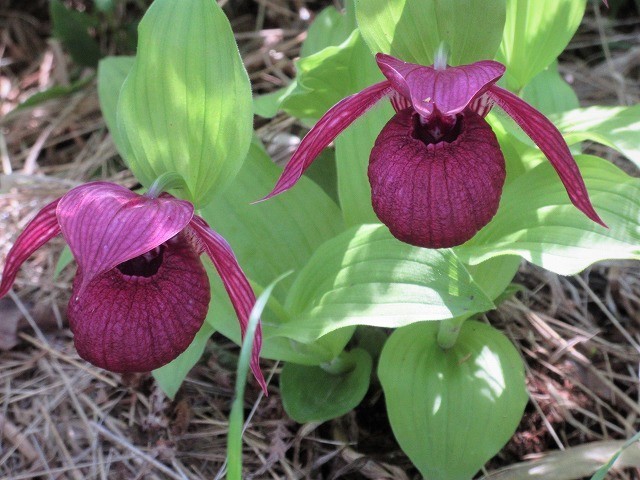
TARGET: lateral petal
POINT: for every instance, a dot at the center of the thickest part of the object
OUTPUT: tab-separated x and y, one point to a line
547	137
449	91
106	224
235	283
39	231
332	123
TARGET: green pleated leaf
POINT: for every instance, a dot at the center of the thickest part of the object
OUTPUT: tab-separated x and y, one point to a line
535	33
269	239
537	221
112	72
329	28
324	79
367	277
72	28
171	376
615	127
452	410
550	93
412	30
186	105
320	393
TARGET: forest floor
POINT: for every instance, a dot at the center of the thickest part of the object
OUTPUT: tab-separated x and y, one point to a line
63	418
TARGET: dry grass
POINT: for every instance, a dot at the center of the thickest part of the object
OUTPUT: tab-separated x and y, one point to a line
62	418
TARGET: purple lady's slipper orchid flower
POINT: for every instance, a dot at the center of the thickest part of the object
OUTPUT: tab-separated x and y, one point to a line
436	170
141	292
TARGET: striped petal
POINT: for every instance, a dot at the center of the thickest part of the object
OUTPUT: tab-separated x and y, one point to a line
39	231
332	123
106	224
235	282
449	91
547	137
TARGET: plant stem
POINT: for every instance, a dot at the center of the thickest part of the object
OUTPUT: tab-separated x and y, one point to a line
337	366
449	331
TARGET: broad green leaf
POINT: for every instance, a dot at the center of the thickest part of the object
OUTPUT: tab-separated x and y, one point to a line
353	146
171	376
186	105
326	77
615	127
72	28
112	72
412	30
550	93
452	410
367	277
271	238
329	28
320	393
537	221
535	33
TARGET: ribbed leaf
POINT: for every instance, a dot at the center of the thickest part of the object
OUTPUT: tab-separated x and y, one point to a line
186	105
112	72
452	410
412	30
271	238
537	221
535	33
615	127
366	277
320	393
550	93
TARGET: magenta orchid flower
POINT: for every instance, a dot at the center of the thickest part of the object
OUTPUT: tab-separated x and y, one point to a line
436	169
141	292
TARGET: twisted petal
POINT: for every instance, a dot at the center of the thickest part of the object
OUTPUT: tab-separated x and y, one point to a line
449	90
106	224
548	138
39	231
126	323
332	123
235	282
436	195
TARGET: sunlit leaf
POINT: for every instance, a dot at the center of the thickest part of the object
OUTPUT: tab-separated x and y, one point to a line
112	72
550	93
615	127
452	410
535	33
412	30
186	105
271	238
367	277
537	221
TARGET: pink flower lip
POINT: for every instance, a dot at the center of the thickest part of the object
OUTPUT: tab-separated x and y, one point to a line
141	292
427	187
